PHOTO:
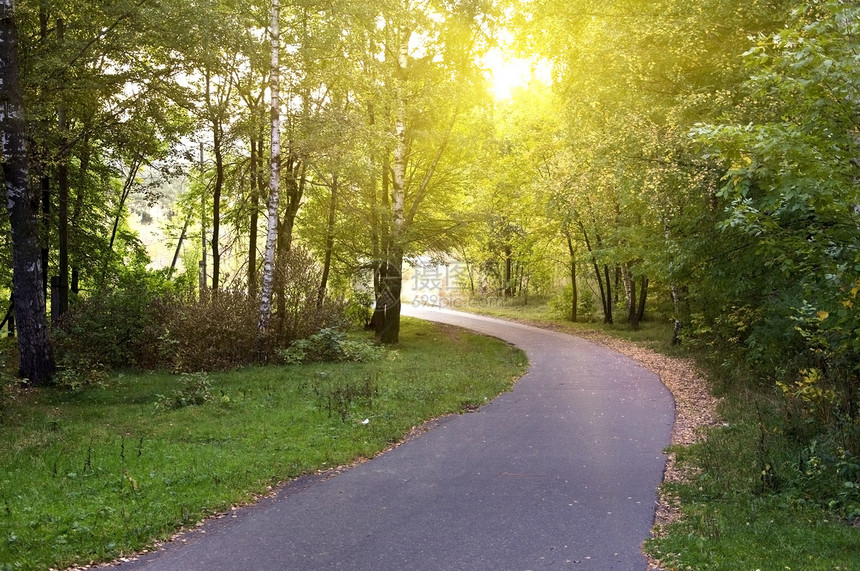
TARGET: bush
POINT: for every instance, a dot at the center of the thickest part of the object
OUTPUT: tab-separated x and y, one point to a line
218	332
196	390
112	327
147	322
561	301
330	345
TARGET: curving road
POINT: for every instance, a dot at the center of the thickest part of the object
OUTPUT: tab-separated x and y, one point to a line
559	473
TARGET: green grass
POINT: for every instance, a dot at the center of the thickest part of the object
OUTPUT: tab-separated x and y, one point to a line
92	475
759	497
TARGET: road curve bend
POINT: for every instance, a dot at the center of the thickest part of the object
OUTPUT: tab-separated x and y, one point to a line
561	472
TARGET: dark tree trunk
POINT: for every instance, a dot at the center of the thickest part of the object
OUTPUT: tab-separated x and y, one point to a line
643	296
607	310
45	186
509	277
63	237
630	292
36	361
79	206
387	311
574	301
216	209
179	243
297	172
63	204
329	241
604	301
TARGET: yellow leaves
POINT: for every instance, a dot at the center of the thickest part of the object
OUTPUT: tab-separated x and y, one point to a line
822	315
808	389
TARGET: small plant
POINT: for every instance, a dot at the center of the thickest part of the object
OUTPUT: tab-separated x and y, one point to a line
338	397
196	390
330	345
77	373
358	309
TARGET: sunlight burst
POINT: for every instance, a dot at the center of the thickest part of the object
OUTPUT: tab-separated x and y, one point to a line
506	74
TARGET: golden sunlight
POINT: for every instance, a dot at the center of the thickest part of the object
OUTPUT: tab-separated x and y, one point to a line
506	73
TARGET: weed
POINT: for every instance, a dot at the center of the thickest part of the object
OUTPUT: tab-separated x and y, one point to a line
338	396
196	390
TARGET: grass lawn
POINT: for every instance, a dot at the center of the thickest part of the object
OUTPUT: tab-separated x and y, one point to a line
91	475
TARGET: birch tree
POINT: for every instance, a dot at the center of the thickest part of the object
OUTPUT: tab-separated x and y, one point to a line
274	174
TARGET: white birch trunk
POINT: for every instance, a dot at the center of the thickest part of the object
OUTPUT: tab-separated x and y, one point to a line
274	177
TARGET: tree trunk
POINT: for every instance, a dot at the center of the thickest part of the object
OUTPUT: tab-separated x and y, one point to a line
36	361
62	203
329	240
45	188
604	297
677	311
643	296
607	311
126	191
509	272
179	244
63	231
274	176
388	300
574	302
218	151
391	274
79	206
256	187
630	293
216	214
296	182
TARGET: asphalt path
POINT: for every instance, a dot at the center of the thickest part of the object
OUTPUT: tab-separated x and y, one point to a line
561	472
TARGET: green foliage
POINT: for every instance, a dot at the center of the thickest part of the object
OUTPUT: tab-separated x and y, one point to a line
791	194
331	345
148	322
358	309
195	389
757	497
112	327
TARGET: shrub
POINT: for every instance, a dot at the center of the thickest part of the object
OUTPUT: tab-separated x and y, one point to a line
145	321
110	328
218	332
330	344
196	390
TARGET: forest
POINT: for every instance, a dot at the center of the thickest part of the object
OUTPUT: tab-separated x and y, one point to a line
687	162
